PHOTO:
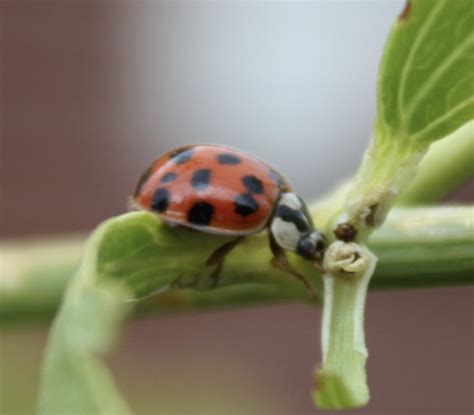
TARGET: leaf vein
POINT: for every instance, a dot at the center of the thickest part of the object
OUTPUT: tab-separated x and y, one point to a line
436	74
424	29
446	116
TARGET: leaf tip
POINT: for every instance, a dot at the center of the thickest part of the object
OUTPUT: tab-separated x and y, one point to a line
405	12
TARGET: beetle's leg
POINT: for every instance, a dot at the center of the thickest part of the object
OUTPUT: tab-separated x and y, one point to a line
280	261
185	281
218	258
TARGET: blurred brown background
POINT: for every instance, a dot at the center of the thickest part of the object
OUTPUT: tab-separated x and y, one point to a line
92	91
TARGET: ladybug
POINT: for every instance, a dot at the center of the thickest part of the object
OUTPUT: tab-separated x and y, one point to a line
224	191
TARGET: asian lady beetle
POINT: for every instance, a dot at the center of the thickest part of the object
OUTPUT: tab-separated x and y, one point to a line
223	191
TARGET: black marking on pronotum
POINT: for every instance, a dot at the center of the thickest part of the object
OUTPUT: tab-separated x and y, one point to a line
245	204
181	155
201	213
253	184
161	200
288	214
168	177
305	211
228	158
201	179
141	181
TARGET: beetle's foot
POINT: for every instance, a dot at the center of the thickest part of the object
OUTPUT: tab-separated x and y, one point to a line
186	281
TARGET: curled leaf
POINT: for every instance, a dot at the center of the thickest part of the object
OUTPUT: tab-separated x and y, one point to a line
426	81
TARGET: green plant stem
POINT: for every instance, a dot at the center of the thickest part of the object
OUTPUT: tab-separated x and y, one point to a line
341	382
417	247
449	163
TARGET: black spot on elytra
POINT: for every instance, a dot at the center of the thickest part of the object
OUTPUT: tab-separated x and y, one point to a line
253	184
181	155
141	181
245	204
201	179
201	213
294	216
161	200
228	158
168	177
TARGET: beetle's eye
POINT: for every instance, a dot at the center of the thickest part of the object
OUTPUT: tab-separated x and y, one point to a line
320	245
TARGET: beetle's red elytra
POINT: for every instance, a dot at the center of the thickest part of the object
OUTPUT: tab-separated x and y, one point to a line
220	190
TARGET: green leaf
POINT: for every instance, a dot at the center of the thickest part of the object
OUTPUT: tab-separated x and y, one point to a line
425	92
74	378
426	81
126	259
138	250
